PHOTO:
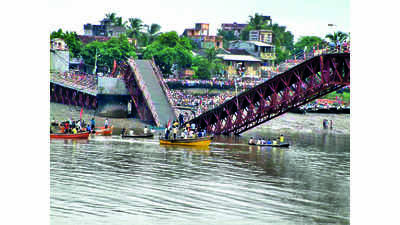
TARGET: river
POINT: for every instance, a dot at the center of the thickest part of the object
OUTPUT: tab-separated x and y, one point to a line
107	180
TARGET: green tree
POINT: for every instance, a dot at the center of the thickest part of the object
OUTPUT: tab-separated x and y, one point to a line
258	22
71	39
102	54
227	36
201	68
168	50
308	41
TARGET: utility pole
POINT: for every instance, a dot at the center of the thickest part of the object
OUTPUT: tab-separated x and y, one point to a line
95	62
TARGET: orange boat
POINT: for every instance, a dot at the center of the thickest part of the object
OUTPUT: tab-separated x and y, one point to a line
84	135
103	131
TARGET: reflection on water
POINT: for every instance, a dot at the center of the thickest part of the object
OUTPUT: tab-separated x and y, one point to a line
109	180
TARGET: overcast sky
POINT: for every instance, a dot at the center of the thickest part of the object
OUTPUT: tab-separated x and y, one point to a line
309	17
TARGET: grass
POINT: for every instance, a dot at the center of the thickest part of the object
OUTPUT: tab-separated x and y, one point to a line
332	96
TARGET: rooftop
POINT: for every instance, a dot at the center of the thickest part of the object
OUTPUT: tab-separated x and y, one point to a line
247	58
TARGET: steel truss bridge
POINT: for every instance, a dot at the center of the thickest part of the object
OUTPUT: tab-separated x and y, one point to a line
297	86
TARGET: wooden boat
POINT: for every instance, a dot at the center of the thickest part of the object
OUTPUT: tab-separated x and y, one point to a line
201	141
272	145
83	135
103	131
150	135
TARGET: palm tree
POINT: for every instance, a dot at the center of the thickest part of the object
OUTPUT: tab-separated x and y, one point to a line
153	32
337	36
134	28
111	16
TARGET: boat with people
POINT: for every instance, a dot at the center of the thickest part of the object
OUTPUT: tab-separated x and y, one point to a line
149	135
283	145
199	141
82	135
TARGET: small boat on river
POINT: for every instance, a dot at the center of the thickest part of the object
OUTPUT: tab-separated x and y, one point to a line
150	135
282	145
83	135
201	141
103	131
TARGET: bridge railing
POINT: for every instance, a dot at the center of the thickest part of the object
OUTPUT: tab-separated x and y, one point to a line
146	94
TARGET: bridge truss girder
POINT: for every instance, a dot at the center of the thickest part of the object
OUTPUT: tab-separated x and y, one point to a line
301	84
68	96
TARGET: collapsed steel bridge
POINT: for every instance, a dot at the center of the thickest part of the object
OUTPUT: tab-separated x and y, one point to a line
301	84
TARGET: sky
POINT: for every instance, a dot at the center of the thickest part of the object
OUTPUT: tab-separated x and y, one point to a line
310	17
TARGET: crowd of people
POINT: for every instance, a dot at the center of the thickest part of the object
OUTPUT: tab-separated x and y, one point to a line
214	83
72	126
177	130
77	79
199	103
268	141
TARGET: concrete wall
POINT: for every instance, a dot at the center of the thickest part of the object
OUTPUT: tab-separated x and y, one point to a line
113	98
111	86
59	60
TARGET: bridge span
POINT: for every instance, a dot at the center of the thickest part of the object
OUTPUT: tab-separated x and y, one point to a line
299	85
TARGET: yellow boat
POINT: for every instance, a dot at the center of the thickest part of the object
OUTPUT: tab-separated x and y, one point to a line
201	141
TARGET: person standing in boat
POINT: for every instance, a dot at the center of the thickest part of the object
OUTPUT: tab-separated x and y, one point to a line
106	124
92	124
281	138
274	142
251	141
175	131
180	119
331	124
269	141
145	130
166	133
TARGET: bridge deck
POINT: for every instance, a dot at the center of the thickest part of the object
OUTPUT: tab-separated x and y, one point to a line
160	101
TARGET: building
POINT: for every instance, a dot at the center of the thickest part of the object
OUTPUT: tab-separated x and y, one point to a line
235	27
59	56
265	52
106	29
261	35
201	36
243	66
